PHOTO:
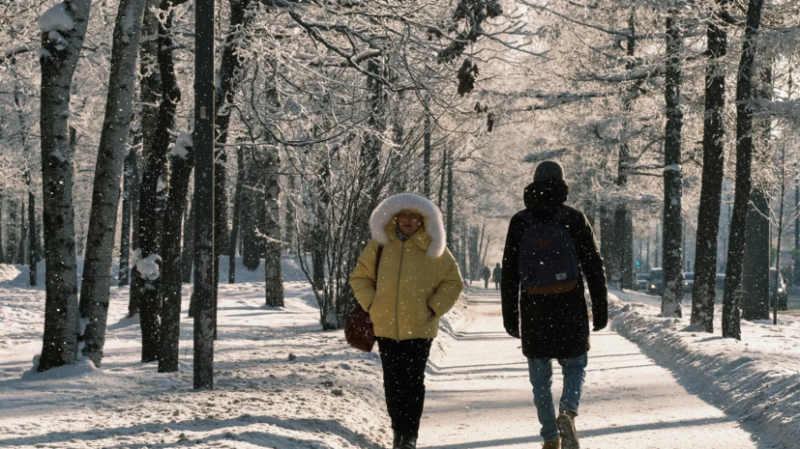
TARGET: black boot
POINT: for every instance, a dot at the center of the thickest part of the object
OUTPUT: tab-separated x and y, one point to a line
408	442
396	441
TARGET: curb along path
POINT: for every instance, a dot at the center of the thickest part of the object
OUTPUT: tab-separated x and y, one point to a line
478	396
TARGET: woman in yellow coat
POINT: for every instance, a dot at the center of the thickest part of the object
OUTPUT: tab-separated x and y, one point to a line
417	282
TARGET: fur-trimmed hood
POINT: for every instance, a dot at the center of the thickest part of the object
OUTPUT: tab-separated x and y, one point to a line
383	215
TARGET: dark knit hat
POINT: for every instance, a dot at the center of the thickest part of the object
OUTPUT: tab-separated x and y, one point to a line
548	170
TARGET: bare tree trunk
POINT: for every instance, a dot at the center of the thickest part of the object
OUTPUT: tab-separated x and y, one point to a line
157	124
272	259
204	137
755	276
58	64
319	245
731	312
426	151
23	231
108	170
623	225
125	233
187	258
237	212
673	176
607	240
33	236
11	233
181	165
450	195
253	214
2	244
774	292
705	265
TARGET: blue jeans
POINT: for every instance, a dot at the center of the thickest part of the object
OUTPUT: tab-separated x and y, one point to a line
541	372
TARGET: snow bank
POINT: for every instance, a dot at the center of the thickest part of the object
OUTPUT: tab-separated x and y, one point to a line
755	379
8	272
83	368
56	19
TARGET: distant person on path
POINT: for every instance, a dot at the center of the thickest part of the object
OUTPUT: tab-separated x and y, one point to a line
487	273
549	249
417	282
497	275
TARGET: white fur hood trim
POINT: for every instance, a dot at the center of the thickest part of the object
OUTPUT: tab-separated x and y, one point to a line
390	207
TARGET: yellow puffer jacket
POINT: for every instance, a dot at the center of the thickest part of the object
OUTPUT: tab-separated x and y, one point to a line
409	282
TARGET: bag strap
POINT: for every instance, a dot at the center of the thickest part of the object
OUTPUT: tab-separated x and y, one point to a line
378	262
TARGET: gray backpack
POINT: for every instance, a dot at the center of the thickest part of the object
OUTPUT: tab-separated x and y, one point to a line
548	263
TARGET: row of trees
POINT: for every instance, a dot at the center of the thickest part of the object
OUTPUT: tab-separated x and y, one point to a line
685	59
328	107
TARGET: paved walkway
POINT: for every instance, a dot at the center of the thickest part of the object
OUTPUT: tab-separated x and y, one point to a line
479	397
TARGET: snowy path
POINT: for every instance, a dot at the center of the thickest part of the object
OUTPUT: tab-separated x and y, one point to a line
479	397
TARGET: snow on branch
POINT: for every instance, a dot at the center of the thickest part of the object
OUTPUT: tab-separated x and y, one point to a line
56	18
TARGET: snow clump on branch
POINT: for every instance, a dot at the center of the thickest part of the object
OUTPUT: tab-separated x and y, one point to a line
182	146
56	19
148	268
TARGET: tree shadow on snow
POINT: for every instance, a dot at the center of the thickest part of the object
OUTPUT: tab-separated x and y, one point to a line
325	426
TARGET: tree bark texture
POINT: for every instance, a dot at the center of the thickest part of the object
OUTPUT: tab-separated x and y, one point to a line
203	138
11	233
125	233
108	170
673	176
172	273
253	214
272	261
426	150
33	236
23	231
61	305
622	254
731	312
187	257
158	87
756	260
237	213
2	244
181	166
706	247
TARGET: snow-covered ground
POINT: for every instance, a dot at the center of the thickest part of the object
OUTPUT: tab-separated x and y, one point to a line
280	381
756	379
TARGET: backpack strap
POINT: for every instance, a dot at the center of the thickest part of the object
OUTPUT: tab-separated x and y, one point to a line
528	218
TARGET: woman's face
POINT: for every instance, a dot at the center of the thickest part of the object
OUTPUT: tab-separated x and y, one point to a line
409	222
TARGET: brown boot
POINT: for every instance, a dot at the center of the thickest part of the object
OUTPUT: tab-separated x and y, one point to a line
566	427
552	444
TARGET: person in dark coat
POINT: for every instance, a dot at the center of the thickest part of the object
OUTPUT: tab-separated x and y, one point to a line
554	326
497	275
486	274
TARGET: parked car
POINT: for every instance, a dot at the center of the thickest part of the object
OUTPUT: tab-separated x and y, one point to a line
781	294
641	282
655	282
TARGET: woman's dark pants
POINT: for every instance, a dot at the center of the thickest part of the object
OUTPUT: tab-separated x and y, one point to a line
404	381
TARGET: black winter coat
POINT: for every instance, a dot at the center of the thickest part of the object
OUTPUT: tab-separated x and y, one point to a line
555	325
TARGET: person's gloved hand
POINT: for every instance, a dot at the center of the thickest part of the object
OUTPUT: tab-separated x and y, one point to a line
600	322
